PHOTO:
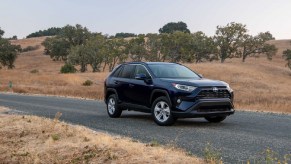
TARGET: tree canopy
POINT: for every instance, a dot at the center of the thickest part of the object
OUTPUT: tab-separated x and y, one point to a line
204	48
124	35
79	47
229	38
172	27
252	45
8	52
1	33
48	32
59	47
287	56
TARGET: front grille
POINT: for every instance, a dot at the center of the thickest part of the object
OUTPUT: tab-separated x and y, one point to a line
209	94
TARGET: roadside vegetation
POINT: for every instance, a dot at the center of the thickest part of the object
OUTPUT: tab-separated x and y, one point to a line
31	139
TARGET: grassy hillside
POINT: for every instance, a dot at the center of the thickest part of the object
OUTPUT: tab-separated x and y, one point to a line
259	84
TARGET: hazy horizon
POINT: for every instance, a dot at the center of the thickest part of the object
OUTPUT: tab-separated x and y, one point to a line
112	16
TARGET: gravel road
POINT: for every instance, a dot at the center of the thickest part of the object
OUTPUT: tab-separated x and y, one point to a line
242	136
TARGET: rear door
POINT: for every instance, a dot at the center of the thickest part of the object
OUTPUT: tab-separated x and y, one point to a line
123	81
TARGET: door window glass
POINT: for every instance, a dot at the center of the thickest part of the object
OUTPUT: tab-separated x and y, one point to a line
141	70
127	71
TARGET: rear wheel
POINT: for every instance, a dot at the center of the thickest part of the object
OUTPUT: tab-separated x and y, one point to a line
112	108
161	112
215	119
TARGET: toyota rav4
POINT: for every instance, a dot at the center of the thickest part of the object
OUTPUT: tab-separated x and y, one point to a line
168	91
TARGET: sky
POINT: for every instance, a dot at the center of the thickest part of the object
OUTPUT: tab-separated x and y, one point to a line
19	17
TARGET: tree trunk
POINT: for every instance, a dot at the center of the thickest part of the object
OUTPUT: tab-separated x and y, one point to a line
223	55
222	60
244	58
244	55
105	63
83	67
113	64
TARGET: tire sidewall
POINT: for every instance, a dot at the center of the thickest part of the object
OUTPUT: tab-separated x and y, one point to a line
170	120
117	111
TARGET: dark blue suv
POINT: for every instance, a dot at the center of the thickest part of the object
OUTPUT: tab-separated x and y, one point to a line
168	91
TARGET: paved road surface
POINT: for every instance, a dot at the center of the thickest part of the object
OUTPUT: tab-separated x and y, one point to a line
241	136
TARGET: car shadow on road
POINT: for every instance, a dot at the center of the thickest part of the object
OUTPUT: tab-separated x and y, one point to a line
187	122
137	116
195	122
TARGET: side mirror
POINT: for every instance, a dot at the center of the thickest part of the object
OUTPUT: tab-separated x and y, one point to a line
200	75
140	76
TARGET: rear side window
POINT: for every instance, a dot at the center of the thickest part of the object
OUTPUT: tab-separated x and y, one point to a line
127	71
117	71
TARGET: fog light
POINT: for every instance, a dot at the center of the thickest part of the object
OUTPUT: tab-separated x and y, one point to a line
178	101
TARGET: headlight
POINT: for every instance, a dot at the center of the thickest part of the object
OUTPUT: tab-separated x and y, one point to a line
229	89
184	87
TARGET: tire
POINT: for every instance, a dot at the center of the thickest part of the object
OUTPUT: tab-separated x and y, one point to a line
215	119
112	109
161	112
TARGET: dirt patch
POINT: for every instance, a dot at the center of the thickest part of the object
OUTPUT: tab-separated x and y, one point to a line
3	110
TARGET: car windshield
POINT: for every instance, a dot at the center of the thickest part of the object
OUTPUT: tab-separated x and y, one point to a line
172	71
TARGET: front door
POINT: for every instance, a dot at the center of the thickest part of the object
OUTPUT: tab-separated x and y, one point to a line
139	91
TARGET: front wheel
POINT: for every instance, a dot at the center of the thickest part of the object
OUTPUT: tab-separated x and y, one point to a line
112	108
215	119
161	112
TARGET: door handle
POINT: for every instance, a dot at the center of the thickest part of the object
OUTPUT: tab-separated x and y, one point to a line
131	85
116	82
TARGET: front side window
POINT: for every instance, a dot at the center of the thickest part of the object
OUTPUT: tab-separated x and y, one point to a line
127	71
172	71
142	70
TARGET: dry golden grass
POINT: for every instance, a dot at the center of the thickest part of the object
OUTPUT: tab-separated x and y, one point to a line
31	139
259	84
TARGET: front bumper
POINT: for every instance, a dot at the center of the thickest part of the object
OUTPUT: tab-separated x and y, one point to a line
206	107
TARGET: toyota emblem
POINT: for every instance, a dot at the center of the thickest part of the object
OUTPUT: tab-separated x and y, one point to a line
215	89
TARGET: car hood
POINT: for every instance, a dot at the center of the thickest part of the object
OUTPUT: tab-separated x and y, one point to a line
196	82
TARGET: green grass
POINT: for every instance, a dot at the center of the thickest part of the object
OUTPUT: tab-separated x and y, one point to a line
88	83
55	137
212	155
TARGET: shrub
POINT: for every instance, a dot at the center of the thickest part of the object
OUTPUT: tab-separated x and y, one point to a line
68	68
30	48
153	143
88	83
34	71
55	137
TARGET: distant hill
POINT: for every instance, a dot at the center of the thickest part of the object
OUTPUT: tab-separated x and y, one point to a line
282	45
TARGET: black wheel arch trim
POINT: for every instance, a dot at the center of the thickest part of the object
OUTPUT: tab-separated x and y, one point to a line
160	91
111	90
